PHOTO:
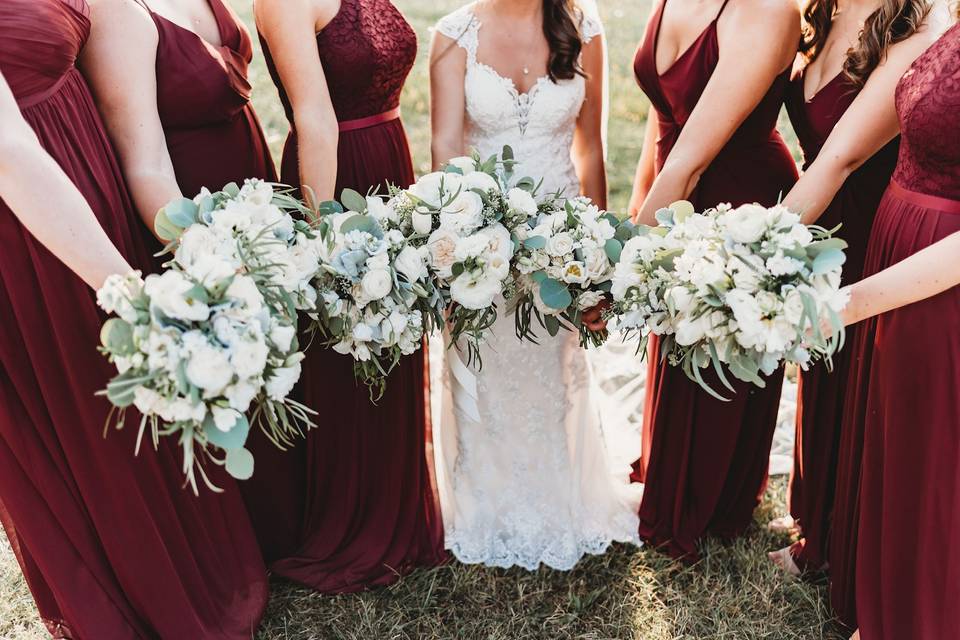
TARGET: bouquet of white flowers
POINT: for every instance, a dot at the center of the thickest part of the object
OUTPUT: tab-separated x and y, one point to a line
194	356
743	290
376	297
564	265
464	217
213	338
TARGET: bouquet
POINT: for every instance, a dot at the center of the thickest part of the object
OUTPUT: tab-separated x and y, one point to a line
739	289
375	295
564	265
213	339
464	217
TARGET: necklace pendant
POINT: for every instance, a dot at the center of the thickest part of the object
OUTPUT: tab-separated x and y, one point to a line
526	71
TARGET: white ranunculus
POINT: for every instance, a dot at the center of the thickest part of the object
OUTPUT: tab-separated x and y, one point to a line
437	187
210	269
281	335
171	294
249	357
442	245
147	401
792	306
464	163
747	223
240	395
560	245
409	262
209	369
690	332
479	180
464	214
281	383
801	234
117	292
377	283
574	272
257	192
224	418
597	264
380	211
521	200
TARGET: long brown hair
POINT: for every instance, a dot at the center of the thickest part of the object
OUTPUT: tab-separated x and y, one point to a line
561	26
893	22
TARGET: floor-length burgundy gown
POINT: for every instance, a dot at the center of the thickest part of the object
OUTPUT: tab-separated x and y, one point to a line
705	461
371	510
214	138
112	545
824	455
908	567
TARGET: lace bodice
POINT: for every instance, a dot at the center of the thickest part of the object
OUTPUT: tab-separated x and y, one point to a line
538	124
928	101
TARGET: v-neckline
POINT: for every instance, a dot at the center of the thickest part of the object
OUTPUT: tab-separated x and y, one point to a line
216	17
686	52
820	89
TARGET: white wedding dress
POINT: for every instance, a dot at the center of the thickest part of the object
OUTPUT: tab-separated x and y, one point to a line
524	471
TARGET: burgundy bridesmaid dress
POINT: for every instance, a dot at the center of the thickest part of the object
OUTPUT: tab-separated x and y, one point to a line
908	567
824	455
112	545
705	461
371	510
214	138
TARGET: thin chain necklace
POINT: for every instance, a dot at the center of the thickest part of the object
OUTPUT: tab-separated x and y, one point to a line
531	45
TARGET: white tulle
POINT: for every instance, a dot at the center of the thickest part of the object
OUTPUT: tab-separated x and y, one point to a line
532	481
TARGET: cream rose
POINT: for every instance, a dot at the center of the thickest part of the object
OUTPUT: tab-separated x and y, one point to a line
377	283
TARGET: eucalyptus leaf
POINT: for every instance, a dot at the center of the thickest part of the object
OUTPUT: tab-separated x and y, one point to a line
535	242
239	464
235	438
232	190
552	324
181	212
329	207
361	222
682	210
613	249
353	201
117	336
555	294
539	276
165	229
828	261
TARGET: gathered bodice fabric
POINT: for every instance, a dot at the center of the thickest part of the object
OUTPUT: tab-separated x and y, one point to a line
927	97
539	125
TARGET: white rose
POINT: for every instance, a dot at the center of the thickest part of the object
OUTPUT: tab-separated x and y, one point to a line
377	283
499	241
171	294
210	269
574	272
597	265
244	290
409	263
588	300
224	419
479	180
521	200
560	245
240	395
464	213
747	224
281	335
681	299
249	357
465	164
256	191
437	187
379	262
442	245
475	294
422	221
362	332
690	332
282	381
380	211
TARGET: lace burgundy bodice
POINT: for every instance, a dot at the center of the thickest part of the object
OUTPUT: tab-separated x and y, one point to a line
928	101
198	83
39	45
367	51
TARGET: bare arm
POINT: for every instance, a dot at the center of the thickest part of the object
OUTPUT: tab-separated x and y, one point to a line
119	62
738	84
921	276
47	203
290	28
646	167
448	65
868	124
589	154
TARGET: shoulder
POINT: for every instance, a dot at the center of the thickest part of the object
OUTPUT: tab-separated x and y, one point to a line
127	20
458	24
280	10
590	26
780	13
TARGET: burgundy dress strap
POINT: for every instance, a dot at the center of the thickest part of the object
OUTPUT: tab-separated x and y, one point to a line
722	7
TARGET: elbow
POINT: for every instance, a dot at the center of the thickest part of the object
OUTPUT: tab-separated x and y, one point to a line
316	124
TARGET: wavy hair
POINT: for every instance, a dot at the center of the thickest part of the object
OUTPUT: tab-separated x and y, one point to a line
893	22
561	27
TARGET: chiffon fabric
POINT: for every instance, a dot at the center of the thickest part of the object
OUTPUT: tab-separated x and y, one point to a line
704	461
371	512
824	507
908	568
112	545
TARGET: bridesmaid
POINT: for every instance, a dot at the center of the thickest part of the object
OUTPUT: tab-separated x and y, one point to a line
176	102
711	138
908	578
371	512
845	53
111	545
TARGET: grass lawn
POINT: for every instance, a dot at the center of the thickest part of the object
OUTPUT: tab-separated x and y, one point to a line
631	594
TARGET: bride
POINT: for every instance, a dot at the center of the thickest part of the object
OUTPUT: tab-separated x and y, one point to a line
523	468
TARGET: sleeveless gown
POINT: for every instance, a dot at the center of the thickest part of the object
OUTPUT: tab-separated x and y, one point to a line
111	545
908	570
825	479
214	138
526	479
704	461
371	513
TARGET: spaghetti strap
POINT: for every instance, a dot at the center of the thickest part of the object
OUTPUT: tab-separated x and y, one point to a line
722	7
